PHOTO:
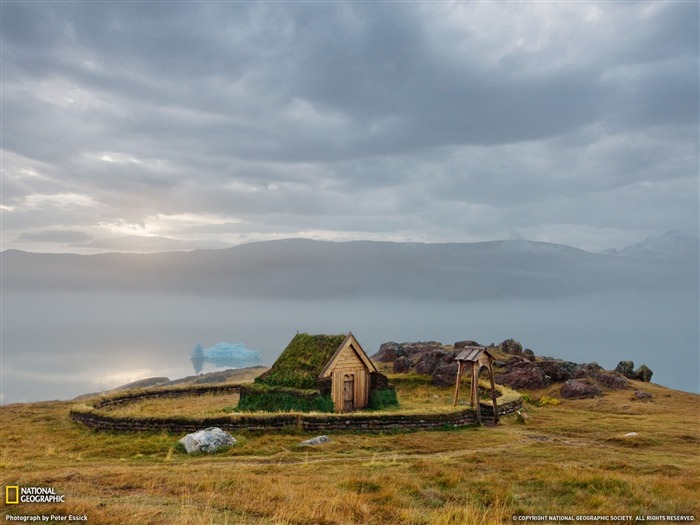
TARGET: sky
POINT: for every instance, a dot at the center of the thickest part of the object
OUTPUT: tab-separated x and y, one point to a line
134	126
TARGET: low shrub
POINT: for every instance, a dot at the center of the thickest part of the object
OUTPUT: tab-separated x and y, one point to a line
546	400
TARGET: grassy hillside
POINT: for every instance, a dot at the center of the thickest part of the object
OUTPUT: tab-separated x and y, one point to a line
571	458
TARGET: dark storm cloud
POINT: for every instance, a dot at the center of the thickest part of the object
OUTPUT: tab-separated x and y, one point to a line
177	121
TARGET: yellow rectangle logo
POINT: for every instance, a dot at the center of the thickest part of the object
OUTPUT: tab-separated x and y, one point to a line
8	499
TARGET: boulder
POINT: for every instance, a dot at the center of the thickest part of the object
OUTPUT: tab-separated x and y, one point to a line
402	365
643	373
207	440
511	346
445	374
318	440
387	353
524	375
578	389
528	353
611	380
427	362
586	370
558	370
626	368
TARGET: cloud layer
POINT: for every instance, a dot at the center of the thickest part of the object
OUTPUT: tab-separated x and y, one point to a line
153	126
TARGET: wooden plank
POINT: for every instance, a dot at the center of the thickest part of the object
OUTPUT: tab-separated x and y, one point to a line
459	381
337	391
475	387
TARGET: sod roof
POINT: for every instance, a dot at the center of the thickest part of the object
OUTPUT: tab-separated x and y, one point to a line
301	363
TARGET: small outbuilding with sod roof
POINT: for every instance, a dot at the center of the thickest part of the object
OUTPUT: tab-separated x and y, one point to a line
334	365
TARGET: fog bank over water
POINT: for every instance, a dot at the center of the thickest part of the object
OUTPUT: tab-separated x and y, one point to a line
73	324
62	344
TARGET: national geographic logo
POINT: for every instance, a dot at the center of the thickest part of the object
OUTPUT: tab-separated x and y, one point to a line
11	495
14	495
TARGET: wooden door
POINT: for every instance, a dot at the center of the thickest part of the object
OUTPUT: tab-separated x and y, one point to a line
349	393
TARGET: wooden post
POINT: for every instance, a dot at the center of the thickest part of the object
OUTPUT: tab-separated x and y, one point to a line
475	391
459	381
471	391
493	396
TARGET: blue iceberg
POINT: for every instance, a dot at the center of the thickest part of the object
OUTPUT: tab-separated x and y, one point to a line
224	355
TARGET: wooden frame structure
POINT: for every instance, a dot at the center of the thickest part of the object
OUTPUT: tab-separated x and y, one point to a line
475	358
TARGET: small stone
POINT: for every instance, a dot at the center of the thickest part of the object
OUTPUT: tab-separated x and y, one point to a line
521	416
318	440
642	395
631	434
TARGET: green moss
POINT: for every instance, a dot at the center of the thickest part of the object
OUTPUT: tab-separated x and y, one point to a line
381	399
256	398
302	361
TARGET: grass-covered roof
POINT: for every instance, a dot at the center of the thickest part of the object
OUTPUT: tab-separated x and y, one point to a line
302	361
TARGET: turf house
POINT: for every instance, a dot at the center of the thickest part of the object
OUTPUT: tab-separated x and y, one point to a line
326	373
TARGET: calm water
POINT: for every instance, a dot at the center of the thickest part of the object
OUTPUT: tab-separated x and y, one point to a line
59	345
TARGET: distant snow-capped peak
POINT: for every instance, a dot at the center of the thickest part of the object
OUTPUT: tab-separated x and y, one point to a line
674	244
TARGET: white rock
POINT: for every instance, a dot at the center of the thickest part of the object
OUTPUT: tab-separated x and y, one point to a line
631	434
318	440
207	440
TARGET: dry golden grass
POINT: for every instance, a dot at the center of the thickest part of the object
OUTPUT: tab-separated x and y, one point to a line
572	458
193	406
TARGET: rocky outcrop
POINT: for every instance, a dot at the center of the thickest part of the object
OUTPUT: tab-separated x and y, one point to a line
459	345
521	370
529	374
424	357
402	365
626	368
523	375
387	353
558	370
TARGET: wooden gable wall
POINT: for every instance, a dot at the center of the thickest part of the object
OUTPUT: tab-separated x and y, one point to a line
348	364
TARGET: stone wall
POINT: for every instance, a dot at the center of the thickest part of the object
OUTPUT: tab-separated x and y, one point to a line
356	421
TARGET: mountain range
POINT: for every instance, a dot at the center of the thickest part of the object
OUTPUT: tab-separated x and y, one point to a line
306	269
